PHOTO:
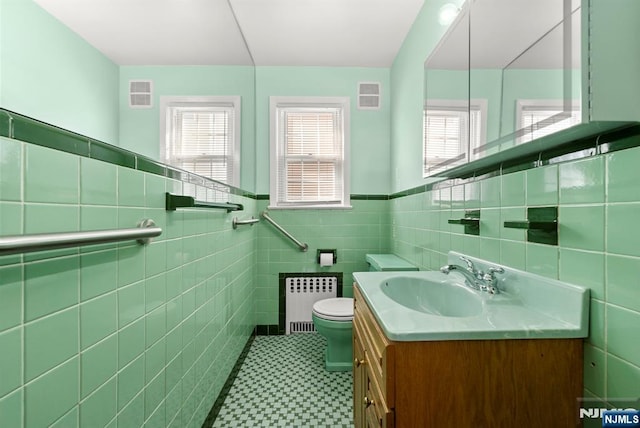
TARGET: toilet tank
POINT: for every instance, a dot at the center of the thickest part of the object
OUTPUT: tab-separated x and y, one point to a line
388	262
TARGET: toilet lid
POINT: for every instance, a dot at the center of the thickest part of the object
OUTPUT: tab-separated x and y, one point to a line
336	309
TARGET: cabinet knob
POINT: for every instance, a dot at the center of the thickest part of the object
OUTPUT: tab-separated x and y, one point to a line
359	363
367	402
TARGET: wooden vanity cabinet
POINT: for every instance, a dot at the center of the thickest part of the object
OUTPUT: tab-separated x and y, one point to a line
463	383
373	372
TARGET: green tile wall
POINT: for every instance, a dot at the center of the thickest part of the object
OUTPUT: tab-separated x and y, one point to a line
599	207
125	335
353	232
117	334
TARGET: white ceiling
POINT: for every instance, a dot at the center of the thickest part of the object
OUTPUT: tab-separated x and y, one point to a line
365	33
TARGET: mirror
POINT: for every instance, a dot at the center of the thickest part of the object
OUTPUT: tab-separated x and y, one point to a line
447	123
524	71
183	50
533	73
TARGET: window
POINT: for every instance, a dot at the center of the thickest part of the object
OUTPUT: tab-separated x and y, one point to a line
309	152
202	135
539	118
450	129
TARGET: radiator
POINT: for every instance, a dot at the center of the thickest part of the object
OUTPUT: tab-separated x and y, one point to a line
301	294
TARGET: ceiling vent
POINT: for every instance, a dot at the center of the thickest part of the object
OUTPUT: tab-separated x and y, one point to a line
140	93
368	96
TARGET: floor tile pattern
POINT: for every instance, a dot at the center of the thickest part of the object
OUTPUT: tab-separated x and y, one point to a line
283	383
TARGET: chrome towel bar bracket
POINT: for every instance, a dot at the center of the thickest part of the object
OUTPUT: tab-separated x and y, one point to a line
250	222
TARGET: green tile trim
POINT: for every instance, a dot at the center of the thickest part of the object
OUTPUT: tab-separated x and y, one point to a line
605	142
148	165
111	154
359	197
20	127
413	191
625	139
518	166
23	128
174	173
5	124
267	330
353	197
33	131
239	192
401	195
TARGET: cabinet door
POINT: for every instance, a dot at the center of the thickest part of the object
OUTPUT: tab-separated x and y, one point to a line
378	415
359	382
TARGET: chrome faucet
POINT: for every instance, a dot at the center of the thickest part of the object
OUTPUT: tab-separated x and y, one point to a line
474	278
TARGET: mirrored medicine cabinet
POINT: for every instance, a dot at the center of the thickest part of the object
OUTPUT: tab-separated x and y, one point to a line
510	78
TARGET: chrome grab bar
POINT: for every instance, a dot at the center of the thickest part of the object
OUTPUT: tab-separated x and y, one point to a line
50	241
237	222
301	245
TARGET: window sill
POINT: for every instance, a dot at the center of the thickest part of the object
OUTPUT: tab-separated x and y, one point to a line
310	207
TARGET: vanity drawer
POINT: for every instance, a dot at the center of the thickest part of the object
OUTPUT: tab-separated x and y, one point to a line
370	361
378	341
378	349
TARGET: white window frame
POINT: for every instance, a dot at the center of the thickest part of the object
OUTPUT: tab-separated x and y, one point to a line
525	134
476	106
168	103
276	104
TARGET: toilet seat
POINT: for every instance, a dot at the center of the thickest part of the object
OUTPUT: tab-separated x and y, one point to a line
334	309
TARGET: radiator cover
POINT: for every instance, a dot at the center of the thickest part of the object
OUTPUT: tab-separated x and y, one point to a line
301	292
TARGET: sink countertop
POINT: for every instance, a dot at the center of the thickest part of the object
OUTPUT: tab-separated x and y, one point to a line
530	307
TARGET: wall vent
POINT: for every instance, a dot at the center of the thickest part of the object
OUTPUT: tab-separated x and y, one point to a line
140	93
368	96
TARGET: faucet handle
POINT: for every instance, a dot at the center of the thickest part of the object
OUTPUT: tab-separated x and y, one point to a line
468	262
490	274
490	279
494	269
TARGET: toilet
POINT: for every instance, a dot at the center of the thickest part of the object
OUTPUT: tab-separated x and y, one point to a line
333	319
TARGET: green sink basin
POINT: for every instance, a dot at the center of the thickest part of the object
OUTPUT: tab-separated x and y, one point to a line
433	297
429	305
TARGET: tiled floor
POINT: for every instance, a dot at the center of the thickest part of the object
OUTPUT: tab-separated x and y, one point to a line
283	383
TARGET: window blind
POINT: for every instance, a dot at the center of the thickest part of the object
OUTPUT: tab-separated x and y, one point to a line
201	141
310	165
445	136
542	121
449	133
